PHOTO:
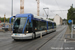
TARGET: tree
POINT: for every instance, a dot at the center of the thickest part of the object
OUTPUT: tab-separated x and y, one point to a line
50	19
71	14
6	19
2	19
64	19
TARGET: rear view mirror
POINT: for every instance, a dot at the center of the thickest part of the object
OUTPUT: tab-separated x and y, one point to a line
11	18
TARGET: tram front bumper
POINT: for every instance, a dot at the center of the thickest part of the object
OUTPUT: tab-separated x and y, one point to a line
22	36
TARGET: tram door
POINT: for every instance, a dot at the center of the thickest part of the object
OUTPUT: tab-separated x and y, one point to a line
36	27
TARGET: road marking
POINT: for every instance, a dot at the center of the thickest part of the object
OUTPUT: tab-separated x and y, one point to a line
70	41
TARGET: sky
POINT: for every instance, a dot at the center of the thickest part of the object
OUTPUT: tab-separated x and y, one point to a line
30	6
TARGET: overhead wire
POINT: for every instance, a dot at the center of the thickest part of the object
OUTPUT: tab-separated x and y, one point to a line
58	7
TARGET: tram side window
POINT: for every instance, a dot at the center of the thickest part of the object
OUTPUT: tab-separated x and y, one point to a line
49	25
35	25
39	25
29	27
54	25
43	25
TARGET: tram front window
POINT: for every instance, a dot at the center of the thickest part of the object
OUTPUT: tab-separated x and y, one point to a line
19	25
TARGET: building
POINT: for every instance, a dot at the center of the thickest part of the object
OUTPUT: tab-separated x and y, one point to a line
64	21
58	20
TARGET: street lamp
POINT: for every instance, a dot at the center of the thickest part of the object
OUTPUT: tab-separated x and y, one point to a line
12	8
11	12
45	12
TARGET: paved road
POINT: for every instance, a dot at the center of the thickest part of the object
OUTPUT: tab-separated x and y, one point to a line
56	43
7	43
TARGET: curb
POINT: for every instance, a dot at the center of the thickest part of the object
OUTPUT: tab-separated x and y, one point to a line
70	39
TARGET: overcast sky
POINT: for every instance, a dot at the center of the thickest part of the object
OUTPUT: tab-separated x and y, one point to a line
31	7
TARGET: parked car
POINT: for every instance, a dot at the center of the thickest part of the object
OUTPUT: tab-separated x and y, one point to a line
74	26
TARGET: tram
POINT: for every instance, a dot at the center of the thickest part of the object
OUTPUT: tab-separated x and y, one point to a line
29	26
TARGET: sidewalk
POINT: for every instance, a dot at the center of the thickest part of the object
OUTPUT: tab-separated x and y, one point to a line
68	33
69	44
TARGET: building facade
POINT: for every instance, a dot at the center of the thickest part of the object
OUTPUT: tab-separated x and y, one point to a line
58	20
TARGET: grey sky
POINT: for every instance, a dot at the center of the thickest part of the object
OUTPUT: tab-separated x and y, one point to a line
31	7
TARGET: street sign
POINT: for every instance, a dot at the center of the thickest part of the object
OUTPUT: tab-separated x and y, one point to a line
69	21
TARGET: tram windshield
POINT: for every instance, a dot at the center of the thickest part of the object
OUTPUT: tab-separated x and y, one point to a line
19	24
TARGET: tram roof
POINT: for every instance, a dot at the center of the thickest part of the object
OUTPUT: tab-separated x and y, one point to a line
33	16
24	15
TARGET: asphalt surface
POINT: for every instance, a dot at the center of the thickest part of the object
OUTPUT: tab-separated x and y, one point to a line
48	42
56	43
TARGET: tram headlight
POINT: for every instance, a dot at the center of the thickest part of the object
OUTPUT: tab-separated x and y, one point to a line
45	30
27	31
